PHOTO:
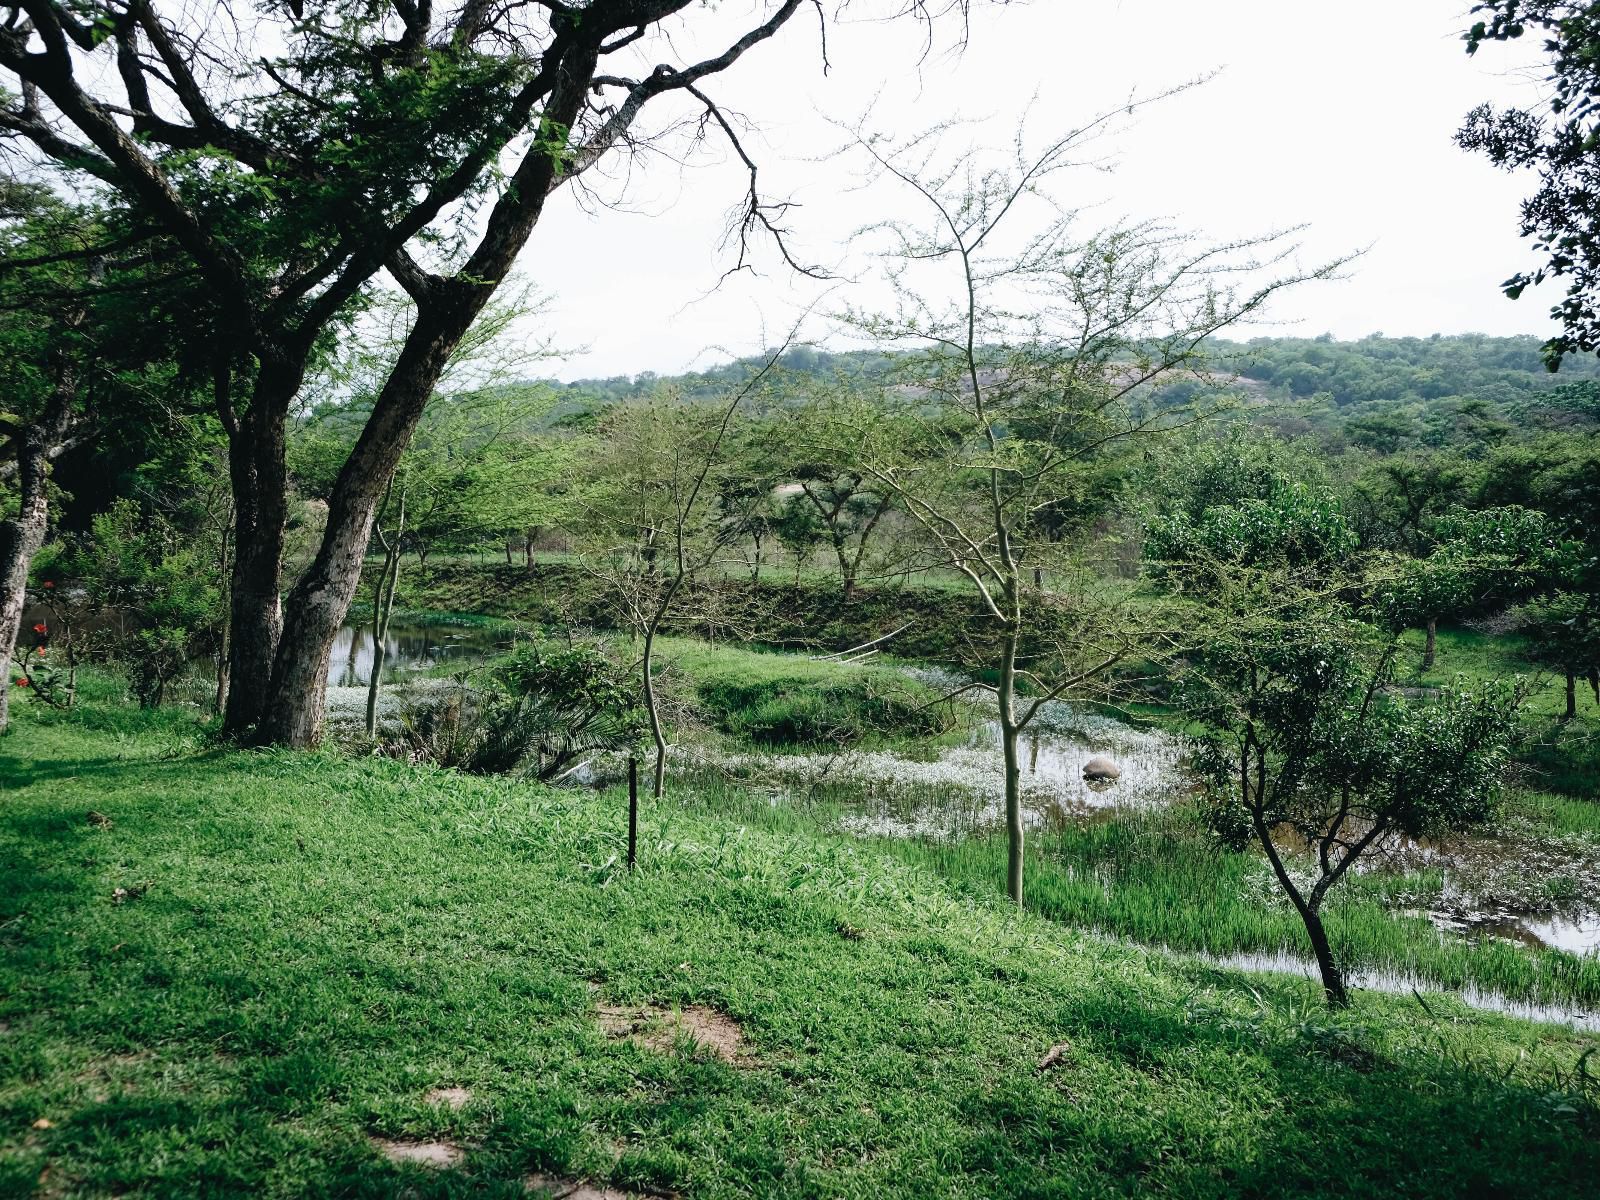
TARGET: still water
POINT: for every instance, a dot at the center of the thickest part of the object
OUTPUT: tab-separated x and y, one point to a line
409	647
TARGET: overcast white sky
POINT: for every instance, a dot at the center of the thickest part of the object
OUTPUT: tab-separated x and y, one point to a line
1332	115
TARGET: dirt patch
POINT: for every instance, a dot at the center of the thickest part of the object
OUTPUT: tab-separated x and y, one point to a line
552	1188
453	1098
658	1028
425	1154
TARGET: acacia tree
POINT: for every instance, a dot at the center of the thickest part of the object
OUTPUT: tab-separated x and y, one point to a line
1306	750
1558	138
657	515
849	504
1037	345
402	138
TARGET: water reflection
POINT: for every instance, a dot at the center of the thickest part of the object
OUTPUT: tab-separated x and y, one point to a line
409	647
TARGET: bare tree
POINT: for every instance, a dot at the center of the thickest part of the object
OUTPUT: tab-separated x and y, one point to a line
1038	349
662	526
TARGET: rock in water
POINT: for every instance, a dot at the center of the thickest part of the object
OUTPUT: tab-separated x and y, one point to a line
1101	769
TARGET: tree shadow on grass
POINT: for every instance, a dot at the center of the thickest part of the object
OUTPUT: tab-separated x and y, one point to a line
1345	1120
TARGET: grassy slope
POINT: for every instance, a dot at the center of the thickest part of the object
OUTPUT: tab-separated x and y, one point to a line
323	940
789	699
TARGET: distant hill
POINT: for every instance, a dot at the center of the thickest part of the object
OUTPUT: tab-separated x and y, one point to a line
1379	393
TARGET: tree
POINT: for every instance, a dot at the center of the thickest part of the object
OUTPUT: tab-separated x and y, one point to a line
655	517
1557	139
161	583
1564	629
71	345
1479	558
1394	501
401	138
1036	350
848	503
1239	502
1304	747
798	529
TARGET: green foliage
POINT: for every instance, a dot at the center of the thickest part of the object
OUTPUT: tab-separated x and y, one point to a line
162	585
1482	560
1243	501
1563	630
541	708
1303	733
1556	136
787	700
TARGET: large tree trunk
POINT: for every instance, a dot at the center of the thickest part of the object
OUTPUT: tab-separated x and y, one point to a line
296	698
261	497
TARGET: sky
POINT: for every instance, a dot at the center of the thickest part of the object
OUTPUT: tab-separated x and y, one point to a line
1336	117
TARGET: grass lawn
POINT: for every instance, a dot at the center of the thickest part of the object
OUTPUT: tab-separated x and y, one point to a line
305	947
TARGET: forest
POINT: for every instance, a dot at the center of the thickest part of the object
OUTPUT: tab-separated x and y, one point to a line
1019	730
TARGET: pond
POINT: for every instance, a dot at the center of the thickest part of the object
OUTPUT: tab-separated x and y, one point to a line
412	649
956	790
411	646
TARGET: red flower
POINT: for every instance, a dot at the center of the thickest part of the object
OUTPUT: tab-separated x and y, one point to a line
49	584
41	627
23	682
41	651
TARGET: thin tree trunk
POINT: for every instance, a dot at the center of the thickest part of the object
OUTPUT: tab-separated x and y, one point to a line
1009	731
659	785
20	539
847	576
227	623
1430	648
23	534
1333	986
1572	695
382	610
508	553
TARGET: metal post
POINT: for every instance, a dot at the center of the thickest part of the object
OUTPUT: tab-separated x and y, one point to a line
633	811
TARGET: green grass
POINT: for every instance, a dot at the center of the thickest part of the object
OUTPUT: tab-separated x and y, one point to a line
1474	656
1156	878
318	941
789	699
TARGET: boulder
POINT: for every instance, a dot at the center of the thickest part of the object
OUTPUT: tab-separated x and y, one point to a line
1101	769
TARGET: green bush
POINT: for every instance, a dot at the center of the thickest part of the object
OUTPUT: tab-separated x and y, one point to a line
784	699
